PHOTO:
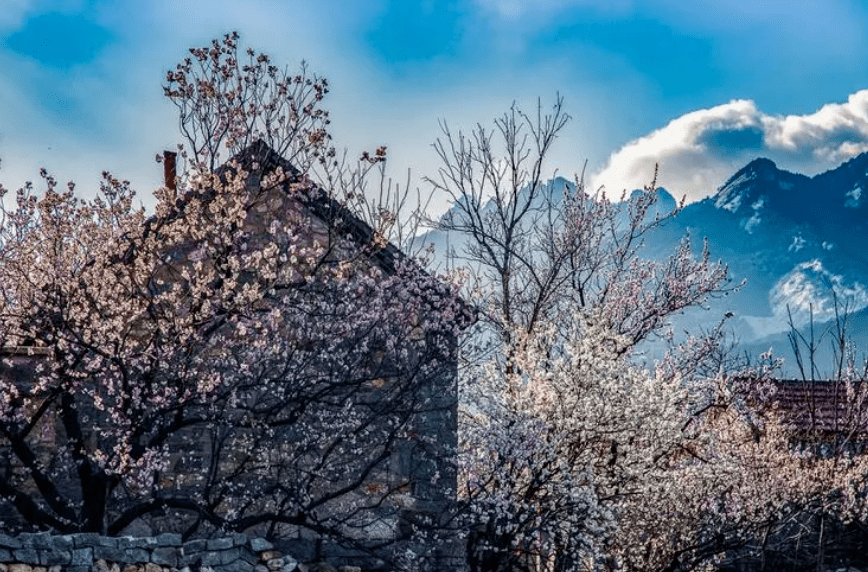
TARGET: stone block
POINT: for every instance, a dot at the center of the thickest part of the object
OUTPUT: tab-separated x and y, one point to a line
84	539
229	556
145	542
237	566
257	545
5	555
110	554
63	542
42	540
20	567
169	539
239	539
165	556
136	556
77	569
55	557
248	556
194	546
26	556
7	541
193	561
270	555
151	567
211	558
82	557
260	568
220	543
55	568
130	568
127	542
289	564
275	564
108	541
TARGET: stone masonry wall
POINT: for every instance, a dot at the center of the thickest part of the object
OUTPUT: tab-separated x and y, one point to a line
89	552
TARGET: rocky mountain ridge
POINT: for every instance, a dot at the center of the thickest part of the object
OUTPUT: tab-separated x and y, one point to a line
800	243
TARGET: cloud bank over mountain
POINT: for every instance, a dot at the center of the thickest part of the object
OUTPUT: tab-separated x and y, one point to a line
699	150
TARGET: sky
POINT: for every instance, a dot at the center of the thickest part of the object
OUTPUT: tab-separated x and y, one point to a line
699	87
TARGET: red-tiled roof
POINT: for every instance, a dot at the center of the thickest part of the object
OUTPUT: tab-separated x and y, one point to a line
824	406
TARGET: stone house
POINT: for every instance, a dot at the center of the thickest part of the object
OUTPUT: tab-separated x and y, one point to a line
418	470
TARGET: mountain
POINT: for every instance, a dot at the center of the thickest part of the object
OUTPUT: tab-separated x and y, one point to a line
799	243
553	191
828	203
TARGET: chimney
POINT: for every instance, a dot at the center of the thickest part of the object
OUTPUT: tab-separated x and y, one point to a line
169	171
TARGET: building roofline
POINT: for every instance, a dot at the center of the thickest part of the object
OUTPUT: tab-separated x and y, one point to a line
261	158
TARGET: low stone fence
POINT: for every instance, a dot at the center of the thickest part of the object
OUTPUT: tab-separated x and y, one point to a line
89	552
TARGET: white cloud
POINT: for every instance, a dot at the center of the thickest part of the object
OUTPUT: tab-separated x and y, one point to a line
698	151
810	290
807	292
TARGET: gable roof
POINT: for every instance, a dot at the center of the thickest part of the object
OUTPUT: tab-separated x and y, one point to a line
824	406
260	160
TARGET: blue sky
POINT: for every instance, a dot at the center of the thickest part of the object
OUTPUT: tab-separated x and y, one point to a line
700	87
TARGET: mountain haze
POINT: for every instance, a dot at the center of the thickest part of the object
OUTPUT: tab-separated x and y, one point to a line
798	242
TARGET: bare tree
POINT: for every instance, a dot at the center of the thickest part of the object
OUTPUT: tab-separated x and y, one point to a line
540	248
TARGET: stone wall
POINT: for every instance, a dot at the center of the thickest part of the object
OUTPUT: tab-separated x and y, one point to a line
89	552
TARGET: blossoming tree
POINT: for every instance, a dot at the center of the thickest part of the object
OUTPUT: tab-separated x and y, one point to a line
251	356
574	457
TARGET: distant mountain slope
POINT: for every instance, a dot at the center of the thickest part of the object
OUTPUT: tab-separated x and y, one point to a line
795	239
798	241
